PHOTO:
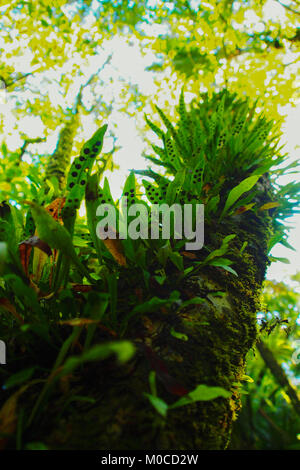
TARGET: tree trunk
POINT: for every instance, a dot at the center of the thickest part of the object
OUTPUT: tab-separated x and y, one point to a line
60	160
220	333
279	374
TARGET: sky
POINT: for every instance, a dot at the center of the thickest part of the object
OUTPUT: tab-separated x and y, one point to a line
291	139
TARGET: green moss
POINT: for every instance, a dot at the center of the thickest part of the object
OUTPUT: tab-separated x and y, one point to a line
60	160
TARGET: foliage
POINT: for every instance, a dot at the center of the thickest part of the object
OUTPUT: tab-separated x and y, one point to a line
268	420
201	393
228	43
218	143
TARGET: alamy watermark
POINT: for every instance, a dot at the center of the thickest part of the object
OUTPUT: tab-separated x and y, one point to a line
181	222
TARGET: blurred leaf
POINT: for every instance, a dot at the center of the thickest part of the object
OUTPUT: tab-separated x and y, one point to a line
178	335
3	255
282	260
158	403
20	377
269	205
124	350
8	416
36	446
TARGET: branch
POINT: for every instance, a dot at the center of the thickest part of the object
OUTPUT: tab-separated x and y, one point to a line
291	63
278	374
78	101
29	141
12	82
283	433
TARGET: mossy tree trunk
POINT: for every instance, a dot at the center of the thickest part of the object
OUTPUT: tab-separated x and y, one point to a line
60	160
220	332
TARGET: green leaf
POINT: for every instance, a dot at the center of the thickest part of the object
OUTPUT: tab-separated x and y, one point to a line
193	301
124	350
281	260
153	193
177	335
201	393
175	186
172	152
55	235
220	251
27	295
158	403
160	279
155	128
205	392
3	255
80	242
212	204
78	175
92	201
243	247
153	304
276	238
221	262
167	123
129	183
240	189
287	245
82	165
247	378
129	192
224	263
177	260
152	382
36	446
19	378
